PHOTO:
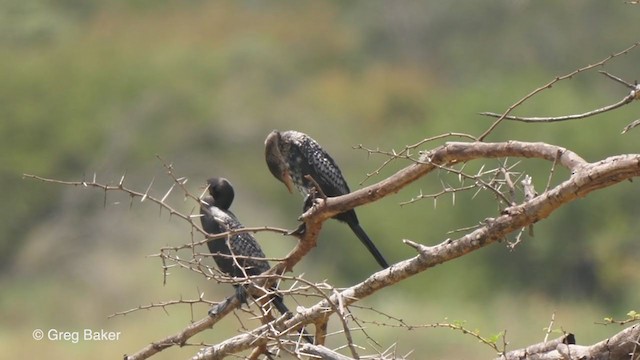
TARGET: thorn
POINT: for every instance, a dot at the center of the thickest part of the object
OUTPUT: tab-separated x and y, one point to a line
414	245
168	192
481	169
146	193
122	180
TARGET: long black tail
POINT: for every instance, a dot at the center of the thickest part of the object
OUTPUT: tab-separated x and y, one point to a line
368	243
282	308
279	304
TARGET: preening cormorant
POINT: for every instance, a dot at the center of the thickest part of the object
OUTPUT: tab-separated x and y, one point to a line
291	155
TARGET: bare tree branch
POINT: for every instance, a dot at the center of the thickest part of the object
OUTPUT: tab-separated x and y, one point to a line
621	346
182	336
538	349
406	152
322	352
633	95
163	305
550	84
586	178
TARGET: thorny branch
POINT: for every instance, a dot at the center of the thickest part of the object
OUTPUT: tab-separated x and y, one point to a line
406	152
163	305
457	326
550	84
633	95
623	345
585	178
492	180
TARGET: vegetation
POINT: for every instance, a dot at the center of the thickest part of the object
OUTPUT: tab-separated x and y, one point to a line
104	86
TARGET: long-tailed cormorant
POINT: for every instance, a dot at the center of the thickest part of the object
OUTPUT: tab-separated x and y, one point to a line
292	155
241	255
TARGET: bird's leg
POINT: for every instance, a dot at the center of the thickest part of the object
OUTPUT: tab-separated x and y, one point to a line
308	202
302	228
242	294
316	187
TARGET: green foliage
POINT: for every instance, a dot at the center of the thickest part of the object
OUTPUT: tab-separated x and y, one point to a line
106	85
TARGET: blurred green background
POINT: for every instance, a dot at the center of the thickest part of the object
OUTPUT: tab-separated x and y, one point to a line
104	86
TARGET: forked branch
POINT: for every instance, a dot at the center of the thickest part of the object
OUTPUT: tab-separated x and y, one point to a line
585	178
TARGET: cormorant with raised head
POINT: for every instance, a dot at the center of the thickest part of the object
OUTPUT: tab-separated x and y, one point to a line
291	155
241	253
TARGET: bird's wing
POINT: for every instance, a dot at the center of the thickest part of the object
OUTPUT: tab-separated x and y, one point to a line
324	170
245	245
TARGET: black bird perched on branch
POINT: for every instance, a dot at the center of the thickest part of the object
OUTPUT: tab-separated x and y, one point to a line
241	255
292	155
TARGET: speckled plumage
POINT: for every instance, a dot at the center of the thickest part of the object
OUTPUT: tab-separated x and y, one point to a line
306	157
291	155
243	244
216	218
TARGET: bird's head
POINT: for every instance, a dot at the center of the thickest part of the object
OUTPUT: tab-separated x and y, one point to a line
221	191
276	161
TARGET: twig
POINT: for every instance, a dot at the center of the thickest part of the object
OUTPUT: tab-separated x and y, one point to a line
131	192
549	85
633	95
631	126
552	171
550	327
632	316
624	101
340	310
163	306
458	326
392	154
615	78
479	184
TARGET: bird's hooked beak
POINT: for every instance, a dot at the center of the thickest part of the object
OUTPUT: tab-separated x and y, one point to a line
275	161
